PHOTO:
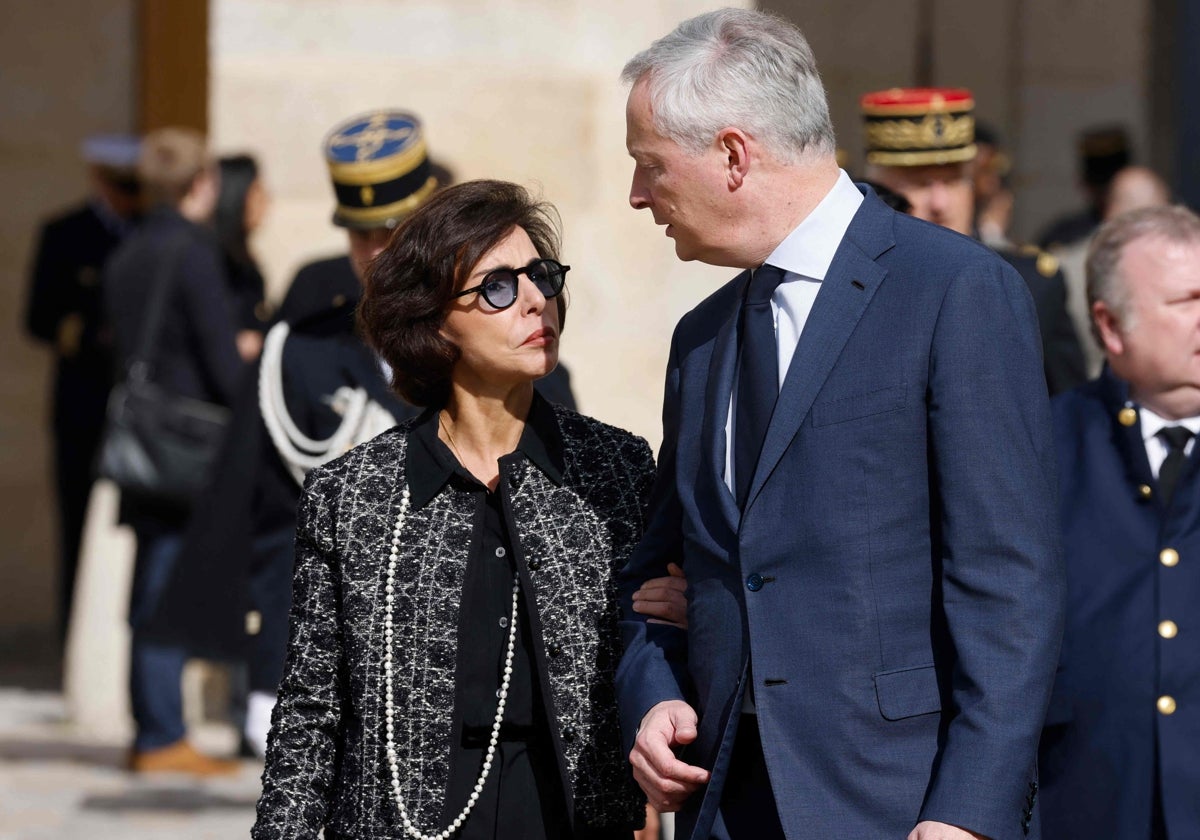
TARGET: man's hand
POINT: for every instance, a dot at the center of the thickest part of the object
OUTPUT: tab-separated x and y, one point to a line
664	598
666	781
940	831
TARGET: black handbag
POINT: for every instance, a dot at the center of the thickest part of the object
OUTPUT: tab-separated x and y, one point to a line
158	447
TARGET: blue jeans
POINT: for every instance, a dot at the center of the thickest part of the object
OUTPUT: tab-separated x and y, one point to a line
155	669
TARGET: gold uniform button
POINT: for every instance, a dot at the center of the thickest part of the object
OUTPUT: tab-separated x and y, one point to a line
1168	629
1145	491
1168	557
253	623
1127	416
1166	704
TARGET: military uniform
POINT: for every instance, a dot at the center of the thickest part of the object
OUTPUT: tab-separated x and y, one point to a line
933	129
1122	736
65	311
1062	355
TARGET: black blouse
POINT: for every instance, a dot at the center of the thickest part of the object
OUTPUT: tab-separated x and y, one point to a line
524	792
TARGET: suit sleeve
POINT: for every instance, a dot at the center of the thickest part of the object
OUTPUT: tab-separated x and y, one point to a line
999	579
302	753
47	288
654	666
207	301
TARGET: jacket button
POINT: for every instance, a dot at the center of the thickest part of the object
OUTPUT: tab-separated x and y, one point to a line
754	582
534	564
1168	557
1166	704
1168	629
1145	491
554	650
568	734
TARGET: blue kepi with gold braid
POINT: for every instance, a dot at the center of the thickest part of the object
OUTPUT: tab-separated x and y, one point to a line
380	169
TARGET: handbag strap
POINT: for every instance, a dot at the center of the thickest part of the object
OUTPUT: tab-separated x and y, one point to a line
164	280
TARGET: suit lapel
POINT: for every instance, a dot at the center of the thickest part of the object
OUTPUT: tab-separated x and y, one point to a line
718	390
852	281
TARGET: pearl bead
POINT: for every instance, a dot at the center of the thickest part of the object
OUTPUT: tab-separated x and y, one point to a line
501	694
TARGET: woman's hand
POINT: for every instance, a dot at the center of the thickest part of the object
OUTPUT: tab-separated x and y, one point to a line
664	599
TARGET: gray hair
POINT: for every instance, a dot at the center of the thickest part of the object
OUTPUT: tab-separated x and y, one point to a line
741	68
1104	279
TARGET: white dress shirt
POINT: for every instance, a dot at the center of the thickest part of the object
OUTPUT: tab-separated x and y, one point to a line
1156	447
805	256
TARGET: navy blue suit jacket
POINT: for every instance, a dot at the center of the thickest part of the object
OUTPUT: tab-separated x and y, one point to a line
902	520
1104	734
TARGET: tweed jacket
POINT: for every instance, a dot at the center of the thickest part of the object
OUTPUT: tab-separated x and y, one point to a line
326	764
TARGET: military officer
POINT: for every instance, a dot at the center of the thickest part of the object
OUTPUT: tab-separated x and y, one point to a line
921	144
1120	752
64	311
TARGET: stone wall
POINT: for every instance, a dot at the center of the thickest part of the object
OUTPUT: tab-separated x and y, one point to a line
68	72
1040	71
525	91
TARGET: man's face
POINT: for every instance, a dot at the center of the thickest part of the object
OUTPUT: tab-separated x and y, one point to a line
1156	346
943	193
686	192
365	246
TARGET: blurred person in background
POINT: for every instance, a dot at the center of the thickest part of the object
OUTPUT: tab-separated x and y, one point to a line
64	310
196	356
1103	151
1133	188
933	169
993	195
455	575
1120	751
241	208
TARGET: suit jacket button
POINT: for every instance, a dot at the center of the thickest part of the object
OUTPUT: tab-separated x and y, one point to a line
754	582
568	734
554	650
535	564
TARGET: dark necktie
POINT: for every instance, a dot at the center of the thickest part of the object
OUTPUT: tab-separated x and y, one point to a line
1177	438
758	377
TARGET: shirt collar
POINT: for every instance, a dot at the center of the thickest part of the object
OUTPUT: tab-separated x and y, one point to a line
1152	423
808	250
430	463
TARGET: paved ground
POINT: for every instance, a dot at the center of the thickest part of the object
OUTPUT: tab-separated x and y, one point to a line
57	785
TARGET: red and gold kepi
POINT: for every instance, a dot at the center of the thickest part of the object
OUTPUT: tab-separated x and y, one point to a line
380	168
919	126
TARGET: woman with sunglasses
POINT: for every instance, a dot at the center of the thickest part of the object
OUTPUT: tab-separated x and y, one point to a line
454	628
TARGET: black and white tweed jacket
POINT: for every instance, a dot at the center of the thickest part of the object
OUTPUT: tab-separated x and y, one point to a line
326	762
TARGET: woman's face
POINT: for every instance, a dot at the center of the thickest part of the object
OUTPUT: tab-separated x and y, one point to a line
257	201
507	347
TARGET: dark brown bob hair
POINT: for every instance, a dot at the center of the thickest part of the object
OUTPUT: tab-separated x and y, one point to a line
409	286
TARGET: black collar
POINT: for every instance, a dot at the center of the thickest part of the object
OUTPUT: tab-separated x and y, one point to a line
431	464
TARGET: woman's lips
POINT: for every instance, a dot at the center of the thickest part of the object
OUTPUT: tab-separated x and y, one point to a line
539	338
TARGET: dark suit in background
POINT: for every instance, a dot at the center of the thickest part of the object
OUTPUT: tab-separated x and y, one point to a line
1062	356
65	311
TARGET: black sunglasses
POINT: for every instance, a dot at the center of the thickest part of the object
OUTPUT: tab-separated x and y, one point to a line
499	286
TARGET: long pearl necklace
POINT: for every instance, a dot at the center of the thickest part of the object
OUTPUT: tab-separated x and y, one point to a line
389	705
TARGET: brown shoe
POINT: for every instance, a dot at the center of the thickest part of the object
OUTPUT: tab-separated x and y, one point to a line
180	757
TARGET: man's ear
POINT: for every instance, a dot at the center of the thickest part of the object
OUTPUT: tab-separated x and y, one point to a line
1108	325
735	146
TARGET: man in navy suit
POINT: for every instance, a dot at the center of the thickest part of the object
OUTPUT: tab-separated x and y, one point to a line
1120	754
856	475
